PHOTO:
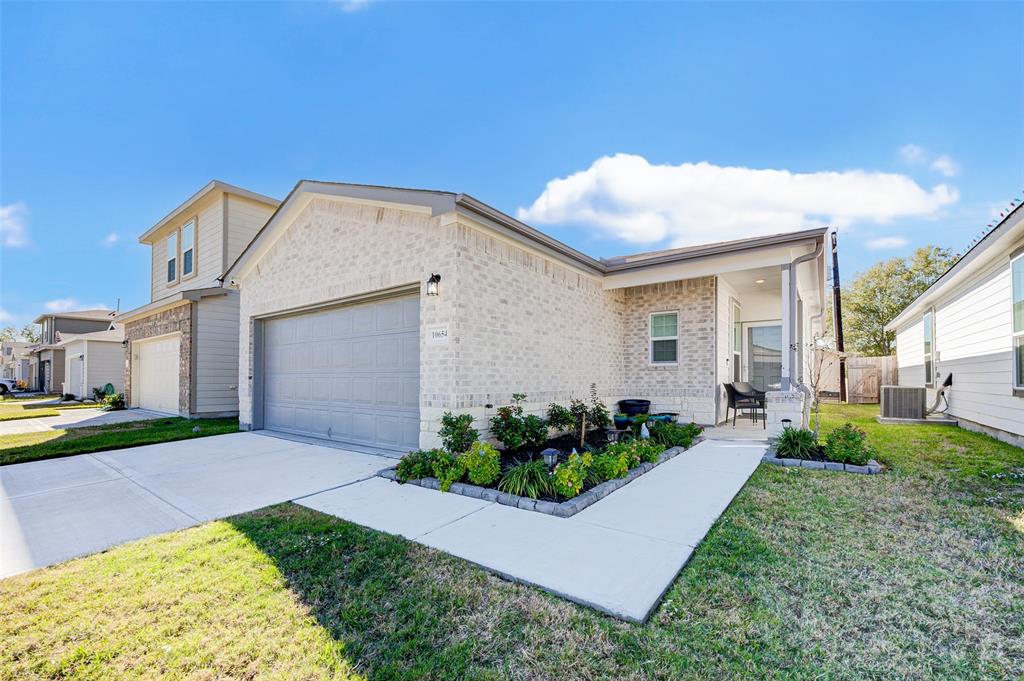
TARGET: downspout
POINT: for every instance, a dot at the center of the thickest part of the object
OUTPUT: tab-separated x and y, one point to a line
808	395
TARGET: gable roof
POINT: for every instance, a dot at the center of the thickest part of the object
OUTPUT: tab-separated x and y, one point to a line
214	185
993	245
440	202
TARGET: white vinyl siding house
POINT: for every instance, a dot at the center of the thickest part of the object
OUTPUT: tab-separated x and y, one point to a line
973	328
184	343
92	361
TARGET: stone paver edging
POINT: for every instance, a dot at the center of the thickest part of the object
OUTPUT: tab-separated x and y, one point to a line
565	509
872	467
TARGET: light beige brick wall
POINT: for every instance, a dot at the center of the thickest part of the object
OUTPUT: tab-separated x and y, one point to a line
687	387
518	321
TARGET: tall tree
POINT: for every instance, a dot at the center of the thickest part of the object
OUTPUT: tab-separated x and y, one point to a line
30	334
882	291
8	333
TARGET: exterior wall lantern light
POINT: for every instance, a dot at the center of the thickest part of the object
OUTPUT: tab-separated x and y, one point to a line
432	284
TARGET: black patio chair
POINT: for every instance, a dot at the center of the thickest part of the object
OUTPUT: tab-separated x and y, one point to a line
747	391
738	401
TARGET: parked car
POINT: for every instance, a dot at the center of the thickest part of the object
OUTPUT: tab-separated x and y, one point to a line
7	385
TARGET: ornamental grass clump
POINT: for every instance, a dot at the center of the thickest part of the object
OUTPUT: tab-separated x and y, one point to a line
527	479
797	443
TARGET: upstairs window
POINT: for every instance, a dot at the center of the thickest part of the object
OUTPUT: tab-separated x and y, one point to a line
172	258
929	348
1017	274
188	251
664	338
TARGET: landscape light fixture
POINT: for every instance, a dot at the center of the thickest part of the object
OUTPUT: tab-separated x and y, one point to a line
432	284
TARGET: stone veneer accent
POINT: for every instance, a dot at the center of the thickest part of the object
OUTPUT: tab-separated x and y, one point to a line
175	319
518	320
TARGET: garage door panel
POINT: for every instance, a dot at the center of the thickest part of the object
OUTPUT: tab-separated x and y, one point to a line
156	374
358	383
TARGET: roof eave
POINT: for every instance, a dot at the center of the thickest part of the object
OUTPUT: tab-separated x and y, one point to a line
213	185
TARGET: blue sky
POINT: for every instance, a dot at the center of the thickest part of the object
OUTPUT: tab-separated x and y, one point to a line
655	124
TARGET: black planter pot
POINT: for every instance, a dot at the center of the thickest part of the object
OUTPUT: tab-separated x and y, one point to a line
634	407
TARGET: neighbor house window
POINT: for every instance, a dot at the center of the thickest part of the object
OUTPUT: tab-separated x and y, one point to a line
172	257
929	348
188	251
1017	274
664	337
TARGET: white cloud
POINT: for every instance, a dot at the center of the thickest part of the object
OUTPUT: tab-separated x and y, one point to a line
13	228
912	154
945	165
351	6
110	239
60	305
628	198
886	243
5	316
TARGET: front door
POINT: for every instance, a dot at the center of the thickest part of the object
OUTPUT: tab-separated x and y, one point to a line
764	352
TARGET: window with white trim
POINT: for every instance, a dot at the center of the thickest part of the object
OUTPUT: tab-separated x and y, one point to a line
172	257
188	250
929	348
1017	274
664	338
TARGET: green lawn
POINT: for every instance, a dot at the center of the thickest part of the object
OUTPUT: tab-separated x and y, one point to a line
914	574
13	410
55	443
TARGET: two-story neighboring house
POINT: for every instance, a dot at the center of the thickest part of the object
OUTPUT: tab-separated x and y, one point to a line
14	360
183	345
46	361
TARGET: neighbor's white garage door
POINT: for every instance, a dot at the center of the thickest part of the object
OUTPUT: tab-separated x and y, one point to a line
156	374
350	374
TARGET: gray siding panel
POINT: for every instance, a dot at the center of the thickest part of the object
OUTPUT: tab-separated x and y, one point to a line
216	368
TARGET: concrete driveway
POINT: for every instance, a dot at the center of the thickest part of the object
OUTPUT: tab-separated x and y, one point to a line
76	418
54	510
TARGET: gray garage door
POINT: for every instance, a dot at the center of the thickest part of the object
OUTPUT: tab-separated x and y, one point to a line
350	374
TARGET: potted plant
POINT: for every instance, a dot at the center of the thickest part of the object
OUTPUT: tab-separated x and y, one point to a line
622	421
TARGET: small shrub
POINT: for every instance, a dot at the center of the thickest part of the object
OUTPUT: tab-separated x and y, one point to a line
578	416
515	430
559	417
796	443
448	468
457	433
848	444
416	465
570	475
527	479
68	397
99	394
608	466
483	464
115	402
675	434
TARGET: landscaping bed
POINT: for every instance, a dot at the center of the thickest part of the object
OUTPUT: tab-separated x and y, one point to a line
557	465
549	505
846	449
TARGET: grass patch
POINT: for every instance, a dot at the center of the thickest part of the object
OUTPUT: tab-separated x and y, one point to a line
917	573
27	409
55	443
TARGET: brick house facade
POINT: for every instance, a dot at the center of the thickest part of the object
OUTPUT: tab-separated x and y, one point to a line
520	314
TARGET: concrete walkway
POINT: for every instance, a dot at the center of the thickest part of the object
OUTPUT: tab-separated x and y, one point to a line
76	418
54	510
618	556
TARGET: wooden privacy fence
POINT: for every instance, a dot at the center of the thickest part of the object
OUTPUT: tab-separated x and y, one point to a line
866	375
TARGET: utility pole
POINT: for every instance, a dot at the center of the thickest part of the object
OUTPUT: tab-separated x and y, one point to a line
837	319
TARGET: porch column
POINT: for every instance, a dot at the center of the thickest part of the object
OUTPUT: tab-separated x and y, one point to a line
787	326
